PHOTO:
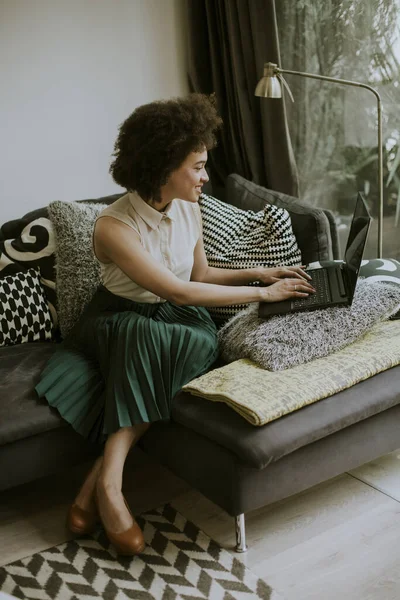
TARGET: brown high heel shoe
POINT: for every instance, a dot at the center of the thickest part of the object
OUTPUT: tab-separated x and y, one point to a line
80	521
129	542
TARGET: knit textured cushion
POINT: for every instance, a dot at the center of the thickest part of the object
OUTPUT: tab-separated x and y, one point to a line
284	341
241	239
382	269
77	270
24	312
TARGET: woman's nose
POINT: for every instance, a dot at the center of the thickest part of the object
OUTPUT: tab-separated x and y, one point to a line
204	176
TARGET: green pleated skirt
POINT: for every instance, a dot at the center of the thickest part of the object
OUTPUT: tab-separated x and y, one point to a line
124	361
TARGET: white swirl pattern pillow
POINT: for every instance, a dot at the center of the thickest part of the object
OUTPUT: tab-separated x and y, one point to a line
27	243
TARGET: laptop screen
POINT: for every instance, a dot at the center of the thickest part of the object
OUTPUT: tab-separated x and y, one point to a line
356	241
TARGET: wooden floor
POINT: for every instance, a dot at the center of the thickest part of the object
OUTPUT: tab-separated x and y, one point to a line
337	540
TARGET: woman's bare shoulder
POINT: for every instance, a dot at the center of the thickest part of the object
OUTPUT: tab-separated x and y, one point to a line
107	233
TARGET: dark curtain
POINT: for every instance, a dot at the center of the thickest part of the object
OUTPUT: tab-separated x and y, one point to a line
229	41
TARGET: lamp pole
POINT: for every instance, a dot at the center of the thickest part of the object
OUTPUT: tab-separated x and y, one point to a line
270	69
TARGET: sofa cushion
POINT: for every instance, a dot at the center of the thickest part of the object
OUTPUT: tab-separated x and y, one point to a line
22	414
283	341
77	270
243	239
382	269
310	225
28	243
257	447
24	312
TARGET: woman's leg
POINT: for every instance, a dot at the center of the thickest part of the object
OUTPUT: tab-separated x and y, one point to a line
85	498
113	511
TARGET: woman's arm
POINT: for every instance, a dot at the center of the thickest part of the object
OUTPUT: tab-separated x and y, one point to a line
121	245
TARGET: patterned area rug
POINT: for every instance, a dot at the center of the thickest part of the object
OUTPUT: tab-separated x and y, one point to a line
180	563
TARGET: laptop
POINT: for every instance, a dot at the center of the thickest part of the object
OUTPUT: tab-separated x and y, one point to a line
334	284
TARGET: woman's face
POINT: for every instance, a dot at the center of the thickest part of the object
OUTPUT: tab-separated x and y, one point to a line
186	181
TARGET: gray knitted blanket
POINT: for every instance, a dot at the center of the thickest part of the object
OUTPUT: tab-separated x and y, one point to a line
288	340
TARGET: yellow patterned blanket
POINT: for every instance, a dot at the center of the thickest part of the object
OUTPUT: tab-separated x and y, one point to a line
262	396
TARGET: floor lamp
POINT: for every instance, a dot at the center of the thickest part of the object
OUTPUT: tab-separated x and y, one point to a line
270	87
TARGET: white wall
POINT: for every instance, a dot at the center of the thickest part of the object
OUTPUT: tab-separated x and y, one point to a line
70	72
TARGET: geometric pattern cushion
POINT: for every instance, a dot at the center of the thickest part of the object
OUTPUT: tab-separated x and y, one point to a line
29	243
24	312
244	239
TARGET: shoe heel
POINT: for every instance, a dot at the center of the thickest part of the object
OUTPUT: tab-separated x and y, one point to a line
80	521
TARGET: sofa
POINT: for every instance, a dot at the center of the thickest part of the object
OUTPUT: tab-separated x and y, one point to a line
238	466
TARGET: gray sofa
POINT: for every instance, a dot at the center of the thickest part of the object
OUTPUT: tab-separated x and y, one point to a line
238	466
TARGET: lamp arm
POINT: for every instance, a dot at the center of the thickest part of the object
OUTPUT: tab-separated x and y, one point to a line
278	70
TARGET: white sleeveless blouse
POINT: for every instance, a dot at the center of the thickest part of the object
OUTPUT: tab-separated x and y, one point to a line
170	237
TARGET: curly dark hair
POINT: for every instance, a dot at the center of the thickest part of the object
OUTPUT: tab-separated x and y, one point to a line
156	139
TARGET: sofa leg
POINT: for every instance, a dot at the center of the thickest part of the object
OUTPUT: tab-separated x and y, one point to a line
240	528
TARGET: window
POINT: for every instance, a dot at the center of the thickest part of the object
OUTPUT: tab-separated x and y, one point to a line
333	127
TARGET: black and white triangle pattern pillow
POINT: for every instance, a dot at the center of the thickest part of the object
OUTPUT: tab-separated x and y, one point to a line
29	243
24	312
243	239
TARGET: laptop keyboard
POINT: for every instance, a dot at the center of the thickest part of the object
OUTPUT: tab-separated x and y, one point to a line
320	283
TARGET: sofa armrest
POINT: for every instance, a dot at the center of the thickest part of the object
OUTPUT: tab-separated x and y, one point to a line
314	228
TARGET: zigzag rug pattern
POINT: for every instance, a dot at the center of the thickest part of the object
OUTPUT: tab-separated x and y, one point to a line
179	563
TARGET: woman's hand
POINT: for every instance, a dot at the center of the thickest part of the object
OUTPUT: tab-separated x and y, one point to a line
268	275
293	287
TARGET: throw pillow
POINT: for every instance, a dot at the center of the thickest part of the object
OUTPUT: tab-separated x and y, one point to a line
240	239
77	270
25	315
288	340
28	243
314	228
382	269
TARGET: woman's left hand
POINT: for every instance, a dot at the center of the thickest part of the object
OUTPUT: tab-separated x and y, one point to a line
267	275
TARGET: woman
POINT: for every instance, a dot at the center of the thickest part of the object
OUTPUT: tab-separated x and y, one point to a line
146	332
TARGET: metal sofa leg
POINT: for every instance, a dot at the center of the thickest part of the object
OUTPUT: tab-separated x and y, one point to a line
240	529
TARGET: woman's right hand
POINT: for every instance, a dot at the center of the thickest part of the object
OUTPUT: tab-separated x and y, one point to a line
287	288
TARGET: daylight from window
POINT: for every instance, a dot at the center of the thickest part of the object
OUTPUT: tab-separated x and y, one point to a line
333	128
